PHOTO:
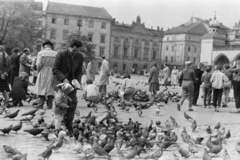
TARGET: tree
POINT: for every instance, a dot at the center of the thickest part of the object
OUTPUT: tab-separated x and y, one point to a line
88	46
19	24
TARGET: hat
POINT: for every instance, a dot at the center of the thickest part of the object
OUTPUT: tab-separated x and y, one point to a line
76	84
66	88
47	42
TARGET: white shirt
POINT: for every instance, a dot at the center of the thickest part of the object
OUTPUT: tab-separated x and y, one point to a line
91	90
127	83
218	78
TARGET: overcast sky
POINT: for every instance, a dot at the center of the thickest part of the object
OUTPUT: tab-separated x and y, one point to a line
165	13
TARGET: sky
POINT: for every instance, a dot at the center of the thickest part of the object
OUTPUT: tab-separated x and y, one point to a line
165	13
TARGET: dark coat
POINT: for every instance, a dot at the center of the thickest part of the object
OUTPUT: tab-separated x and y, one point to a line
198	73
153	75
19	89
68	66
15	64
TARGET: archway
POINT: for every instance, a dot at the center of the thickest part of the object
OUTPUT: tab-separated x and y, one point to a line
237	57
134	68
221	60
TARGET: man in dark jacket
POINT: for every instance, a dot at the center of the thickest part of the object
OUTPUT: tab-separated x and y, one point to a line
198	82
15	57
68	66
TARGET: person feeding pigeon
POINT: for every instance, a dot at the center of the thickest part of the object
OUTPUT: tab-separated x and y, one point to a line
60	103
91	93
19	90
128	88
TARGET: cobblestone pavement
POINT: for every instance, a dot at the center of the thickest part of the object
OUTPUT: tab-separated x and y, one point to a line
33	146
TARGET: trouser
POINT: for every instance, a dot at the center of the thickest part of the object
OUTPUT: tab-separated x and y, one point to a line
196	93
42	99
94	99
236	90
103	89
71	110
187	91
16	101
207	92
226	91
58	121
217	97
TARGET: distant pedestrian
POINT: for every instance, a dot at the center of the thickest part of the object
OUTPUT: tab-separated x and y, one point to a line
127	87
236	84
227	85
104	76
165	75
198	82
207	86
91	93
174	77
187	80
153	80
15	57
25	62
19	91
90	71
218	78
45	62
4	70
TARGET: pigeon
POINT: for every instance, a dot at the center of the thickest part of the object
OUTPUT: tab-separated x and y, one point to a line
194	125
209	130
110	144
34	131
157	111
167	123
192	148
237	147
184	153
27	118
17	127
12	115
206	156
226	155
46	153
32	112
10	151
98	149
20	157
174	122
187	116
6	130
215	148
218	125
199	140
56	144
228	135
156	154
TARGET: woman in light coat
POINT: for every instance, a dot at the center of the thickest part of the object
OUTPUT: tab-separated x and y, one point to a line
90	71
174	77
45	62
104	76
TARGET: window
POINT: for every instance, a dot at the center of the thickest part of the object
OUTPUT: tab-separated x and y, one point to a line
90	24
189	48
40	23
125	52
101	51
237	37
90	35
172	48
124	66
166	58
115	51
137	41
166	48
194	60
154	54
126	40
116	39
172	59
66	21
146	43
65	34
135	53
195	49
79	23
54	20
146	53
155	43
103	25
53	34
188	58
102	39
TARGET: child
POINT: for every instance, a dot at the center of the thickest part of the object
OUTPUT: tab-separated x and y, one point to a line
19	90
91	93
60	104
207	86
127	87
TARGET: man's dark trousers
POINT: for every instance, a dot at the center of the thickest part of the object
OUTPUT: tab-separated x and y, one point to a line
71	110
196	93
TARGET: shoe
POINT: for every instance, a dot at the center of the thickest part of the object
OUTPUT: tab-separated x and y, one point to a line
178	107
217	109
190	109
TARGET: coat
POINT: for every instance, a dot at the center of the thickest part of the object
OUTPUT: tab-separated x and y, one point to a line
174	77
60	104
198	73
90	71
15	58
166	73
24	61
45	61
19	89
68	66
104	73
153	75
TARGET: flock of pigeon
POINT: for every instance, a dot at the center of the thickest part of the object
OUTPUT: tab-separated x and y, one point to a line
97	135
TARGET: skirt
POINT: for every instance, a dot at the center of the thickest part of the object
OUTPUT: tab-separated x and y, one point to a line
4	84
154	87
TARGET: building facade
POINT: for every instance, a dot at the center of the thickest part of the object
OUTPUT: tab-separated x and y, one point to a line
63	20
134	47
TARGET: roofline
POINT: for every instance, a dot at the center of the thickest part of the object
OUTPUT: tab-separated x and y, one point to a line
107	12
182	33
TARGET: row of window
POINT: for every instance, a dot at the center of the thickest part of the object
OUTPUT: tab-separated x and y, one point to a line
126	40
189	48
172	60
79	23
65	35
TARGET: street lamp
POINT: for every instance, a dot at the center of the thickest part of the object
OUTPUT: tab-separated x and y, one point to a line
79	26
